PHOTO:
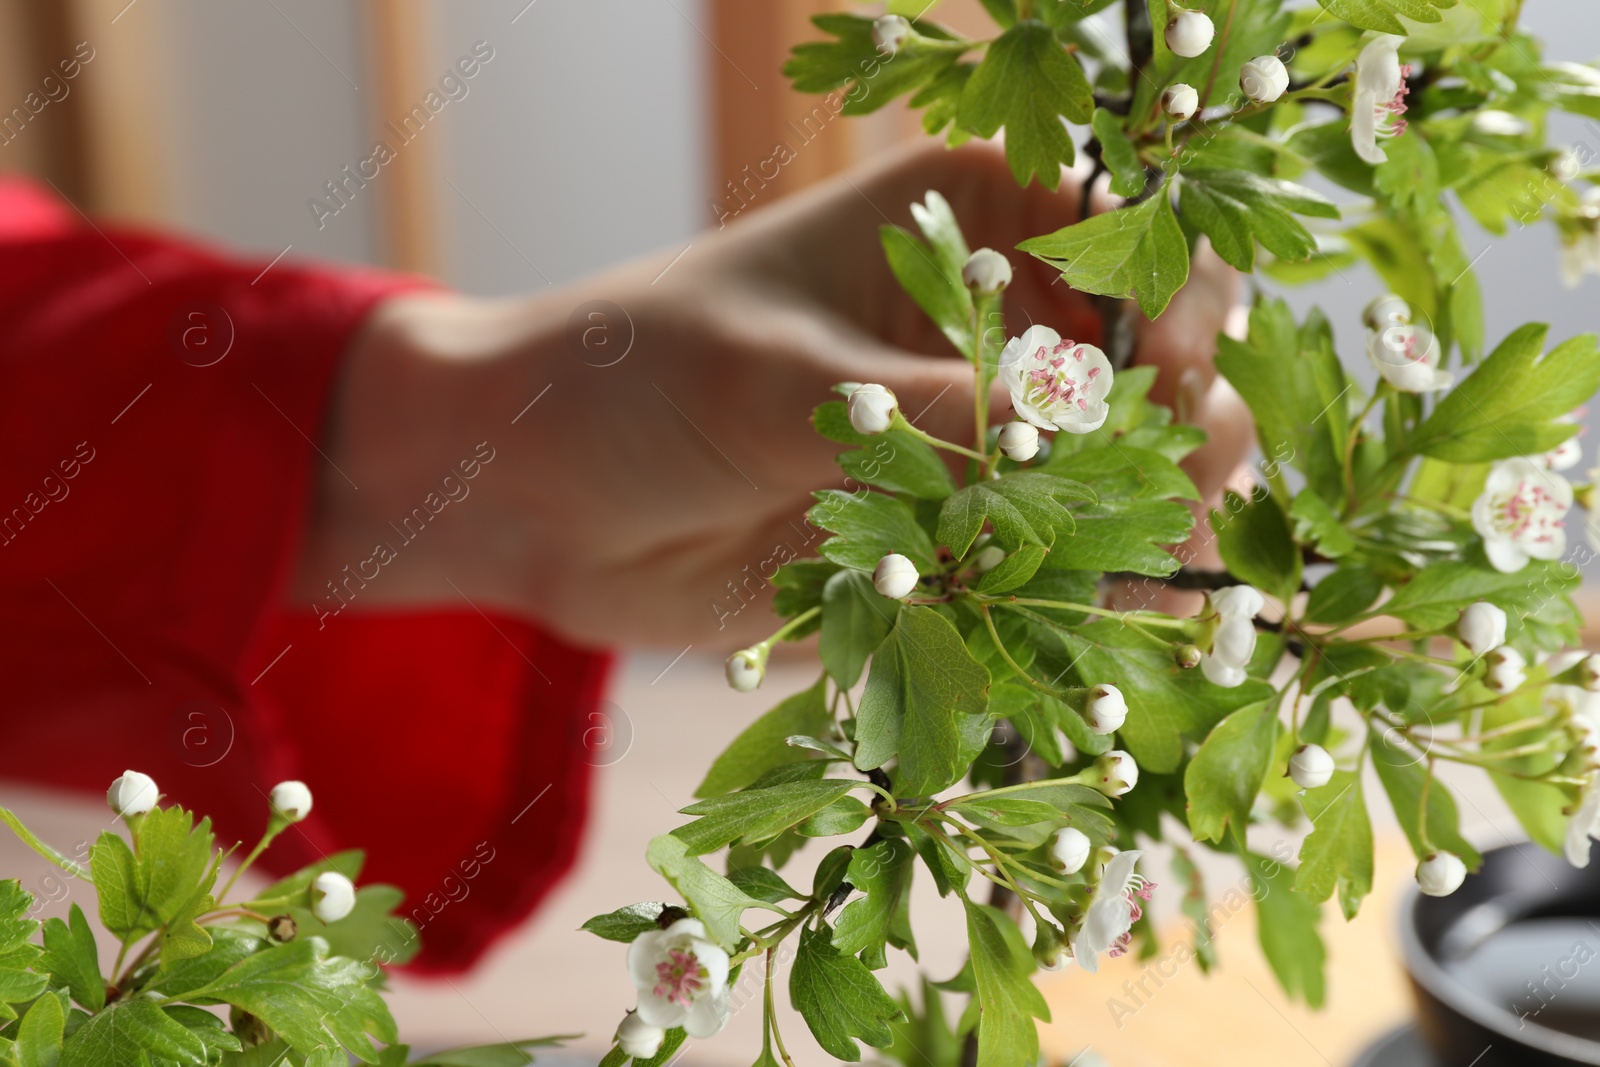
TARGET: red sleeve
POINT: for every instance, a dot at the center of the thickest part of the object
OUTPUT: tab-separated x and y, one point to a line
158	407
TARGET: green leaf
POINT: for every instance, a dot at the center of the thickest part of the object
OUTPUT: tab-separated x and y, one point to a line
174	858
1402	777
347	863
763	744
855	620
843	816
372	930
72	959
1121	158
1439	591
17	982
55	856
39	1035
893	460
229	945
838	997
1007	1000
764	883
1383	15
1226	773
1013	571
1173	704
1027	82
626	923
1070	804
1026	508
869	526
1254	541
1195	908
1286	925
1508	405
1316	524
1137	251
852	63
499	1054
1338	853
1236	209
207	1027
925	702
866	925
714	900
1293	383
1344	594
942	299
132	1033
1133	513
117	882
757	815
310	999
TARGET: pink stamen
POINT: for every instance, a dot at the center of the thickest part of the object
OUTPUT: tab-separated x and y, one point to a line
680	977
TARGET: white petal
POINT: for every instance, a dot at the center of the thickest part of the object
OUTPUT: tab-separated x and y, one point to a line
1222	674
1364	129
1378	67
1504	555
707	1015
643	954
659	1011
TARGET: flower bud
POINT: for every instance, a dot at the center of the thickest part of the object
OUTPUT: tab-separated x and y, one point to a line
1441	874
1481	627
1050	948
333	896
1189	33
745	669
872	408
1115	773
1019	441
1180	101
890	32
895	576
1507	669
988	558
291	800
1264	79
638	1038
1311	767
1069	849
1187	656
1105	710
1589	673
132	794
986	271
1386	311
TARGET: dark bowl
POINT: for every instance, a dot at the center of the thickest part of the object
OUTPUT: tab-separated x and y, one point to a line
1497	969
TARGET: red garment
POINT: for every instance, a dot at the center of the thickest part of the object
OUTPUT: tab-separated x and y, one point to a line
150	514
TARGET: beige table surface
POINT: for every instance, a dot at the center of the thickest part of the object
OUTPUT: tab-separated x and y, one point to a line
549	977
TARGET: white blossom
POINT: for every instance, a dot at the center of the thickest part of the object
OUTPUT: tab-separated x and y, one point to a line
889	32
1234	642
986	271
1189	33
1481	627
333	896
292	800
132	794
1580	237
1112	911
1568	453
1441	874
872	408
1114	773
1493	122
745	669
895	576
1385	311
1521	514
1264	79
1311	767
1069	849
1407	356
1019	441
1380	97
1507	669
1180	101
638	1038
1056	384
1105	710
681	977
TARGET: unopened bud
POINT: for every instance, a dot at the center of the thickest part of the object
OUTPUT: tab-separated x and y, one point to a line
986	271
1264	79
1019	441
1180	101
1311	767
890	32
1115	773
872	408
895	576
1069	849
1441	874
291	800
1189	33
745	669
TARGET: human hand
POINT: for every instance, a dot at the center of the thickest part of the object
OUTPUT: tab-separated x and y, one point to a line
643	500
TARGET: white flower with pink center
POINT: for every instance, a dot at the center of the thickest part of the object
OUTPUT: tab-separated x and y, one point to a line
1056	384
1380	97
1521	514
1114	908
682	978
1407	355
1568	453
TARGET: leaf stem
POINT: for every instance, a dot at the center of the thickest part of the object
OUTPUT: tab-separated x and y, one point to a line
901	422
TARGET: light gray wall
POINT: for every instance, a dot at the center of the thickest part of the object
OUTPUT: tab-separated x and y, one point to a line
580	143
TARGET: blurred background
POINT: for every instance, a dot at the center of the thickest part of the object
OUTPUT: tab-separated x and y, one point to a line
591	131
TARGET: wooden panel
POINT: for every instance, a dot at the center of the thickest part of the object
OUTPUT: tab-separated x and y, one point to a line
407	215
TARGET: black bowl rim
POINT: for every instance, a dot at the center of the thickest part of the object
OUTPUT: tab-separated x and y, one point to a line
1426	972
